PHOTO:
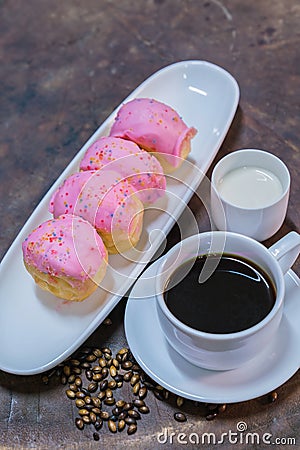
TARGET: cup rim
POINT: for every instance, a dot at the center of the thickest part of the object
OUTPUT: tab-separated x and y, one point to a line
280	290
250	150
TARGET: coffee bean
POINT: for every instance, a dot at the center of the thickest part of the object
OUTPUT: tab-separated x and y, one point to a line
87	399
179	401
158	394
71	378
97	352
115	363
93	417
127	365
211	416
112	426
180	417
138	403
127	376
97	377
272	397
97	369
113	371
123	351
127	406
107	321
118	378
79	423
106	350
75	362
123	415
134	414
142	392
79	394
96	410
222	408
96	436
101	395
70	394
67	370
121	425
83	411
92	387
45	379
78	382
102	362
120	403
144	409
86	419
136	388
117	411
98	424
109	393
103	385
73	387
105	372
110	401
131	429
104	415
96	402
130	420
112	384
91	358
134	379
79	403
89	374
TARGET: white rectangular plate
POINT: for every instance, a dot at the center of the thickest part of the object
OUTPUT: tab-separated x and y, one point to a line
39	330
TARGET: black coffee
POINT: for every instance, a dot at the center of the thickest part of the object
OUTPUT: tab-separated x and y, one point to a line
235	297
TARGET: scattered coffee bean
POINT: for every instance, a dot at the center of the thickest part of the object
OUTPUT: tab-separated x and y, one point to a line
112	426
272	397
131	429
79	423
180	417
97	352
98	424
138	403
211	416
92	387
107	321
134	414
96	436
222	408
179	401
70	394
143	392
121	425
79	402
144	409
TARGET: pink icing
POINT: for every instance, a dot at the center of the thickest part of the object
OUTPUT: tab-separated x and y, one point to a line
154	126
67	246
103	198
143	170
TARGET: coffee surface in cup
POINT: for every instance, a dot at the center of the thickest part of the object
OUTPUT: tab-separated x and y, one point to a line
235	297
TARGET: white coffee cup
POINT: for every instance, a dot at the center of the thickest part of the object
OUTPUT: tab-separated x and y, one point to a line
262	220
228	350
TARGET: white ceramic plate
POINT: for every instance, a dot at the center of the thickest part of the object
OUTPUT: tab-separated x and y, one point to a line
39	330
278	362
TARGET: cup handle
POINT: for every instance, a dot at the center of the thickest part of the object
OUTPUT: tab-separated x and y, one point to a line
286	250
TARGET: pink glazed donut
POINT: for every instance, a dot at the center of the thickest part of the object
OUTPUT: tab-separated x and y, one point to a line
157	128
107	201
142	170
66	257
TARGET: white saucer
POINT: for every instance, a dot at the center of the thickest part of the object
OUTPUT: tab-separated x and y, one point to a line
260	376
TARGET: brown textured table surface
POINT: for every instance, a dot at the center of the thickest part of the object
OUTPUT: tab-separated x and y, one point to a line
65	66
